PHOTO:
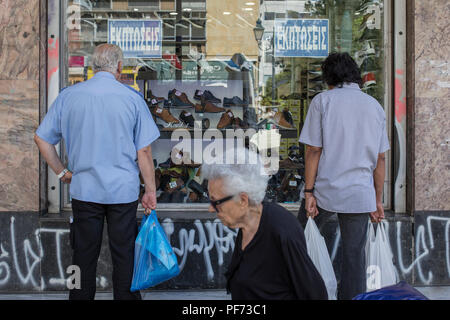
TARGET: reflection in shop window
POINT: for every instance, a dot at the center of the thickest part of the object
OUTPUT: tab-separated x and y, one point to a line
218	53
147	4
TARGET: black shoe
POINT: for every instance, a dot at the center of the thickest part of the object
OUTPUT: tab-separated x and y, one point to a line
176	99
187	118
207	95
234	102
197	188
178	197
288	117
165	197
166	164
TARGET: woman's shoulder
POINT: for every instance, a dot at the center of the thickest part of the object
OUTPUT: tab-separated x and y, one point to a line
281	220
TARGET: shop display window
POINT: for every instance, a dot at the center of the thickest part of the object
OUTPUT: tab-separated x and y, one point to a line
213	73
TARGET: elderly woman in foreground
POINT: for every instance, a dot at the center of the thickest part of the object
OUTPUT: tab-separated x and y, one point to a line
270	259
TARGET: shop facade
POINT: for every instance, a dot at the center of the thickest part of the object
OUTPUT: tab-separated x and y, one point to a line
213	73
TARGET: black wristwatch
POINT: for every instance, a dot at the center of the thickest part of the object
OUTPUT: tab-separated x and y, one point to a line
309	190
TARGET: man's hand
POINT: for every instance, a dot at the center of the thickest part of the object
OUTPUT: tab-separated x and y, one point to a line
67	178
149	201
378	215
311	206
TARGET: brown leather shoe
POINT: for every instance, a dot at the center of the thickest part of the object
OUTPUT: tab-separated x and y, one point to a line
174	184
280	120
207	107
181	96
226	120
164	115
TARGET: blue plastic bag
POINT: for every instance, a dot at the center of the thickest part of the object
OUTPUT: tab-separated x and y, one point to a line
154	259
399	291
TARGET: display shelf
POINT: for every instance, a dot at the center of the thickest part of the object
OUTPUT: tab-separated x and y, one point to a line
285	133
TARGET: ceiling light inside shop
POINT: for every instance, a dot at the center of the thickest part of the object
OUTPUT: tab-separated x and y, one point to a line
227	13
173	13
187	9
250	4
136	9
248	9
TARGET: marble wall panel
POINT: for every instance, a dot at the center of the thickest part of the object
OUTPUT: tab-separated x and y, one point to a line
19	104
432	105
19	157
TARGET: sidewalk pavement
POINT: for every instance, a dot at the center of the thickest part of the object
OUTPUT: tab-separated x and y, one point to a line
433	293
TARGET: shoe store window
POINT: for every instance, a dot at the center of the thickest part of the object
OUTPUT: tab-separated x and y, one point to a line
234	64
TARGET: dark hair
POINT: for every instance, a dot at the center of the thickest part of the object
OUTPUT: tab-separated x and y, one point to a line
340	68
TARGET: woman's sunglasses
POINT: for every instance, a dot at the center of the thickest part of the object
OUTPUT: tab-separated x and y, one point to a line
218	202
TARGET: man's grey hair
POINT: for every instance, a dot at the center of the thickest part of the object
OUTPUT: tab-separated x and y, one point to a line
106	58
244	175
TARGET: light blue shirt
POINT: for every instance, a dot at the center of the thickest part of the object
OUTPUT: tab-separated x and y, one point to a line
104	123
350	127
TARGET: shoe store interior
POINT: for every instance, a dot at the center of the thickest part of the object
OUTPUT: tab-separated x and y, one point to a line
212	64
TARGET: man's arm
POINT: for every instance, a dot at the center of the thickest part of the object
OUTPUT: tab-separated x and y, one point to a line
312	159
145	161
50	155
378	178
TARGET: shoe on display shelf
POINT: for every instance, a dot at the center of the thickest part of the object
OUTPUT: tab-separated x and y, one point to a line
234	102
291	182
232	66
150	96
284	119
226	120
198	189
169	121
207	107
369	79
187	118
152	103
206	123
179	99
174	185
206	95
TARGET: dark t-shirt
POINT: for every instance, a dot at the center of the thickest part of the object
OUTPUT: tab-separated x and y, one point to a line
275	264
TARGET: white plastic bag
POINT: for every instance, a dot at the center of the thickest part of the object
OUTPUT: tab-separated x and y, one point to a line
380	268
318	252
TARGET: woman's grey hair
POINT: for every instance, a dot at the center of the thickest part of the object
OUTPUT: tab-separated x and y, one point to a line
244	174
106	58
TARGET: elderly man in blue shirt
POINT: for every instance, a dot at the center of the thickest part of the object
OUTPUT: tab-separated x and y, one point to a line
346	139
106	127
